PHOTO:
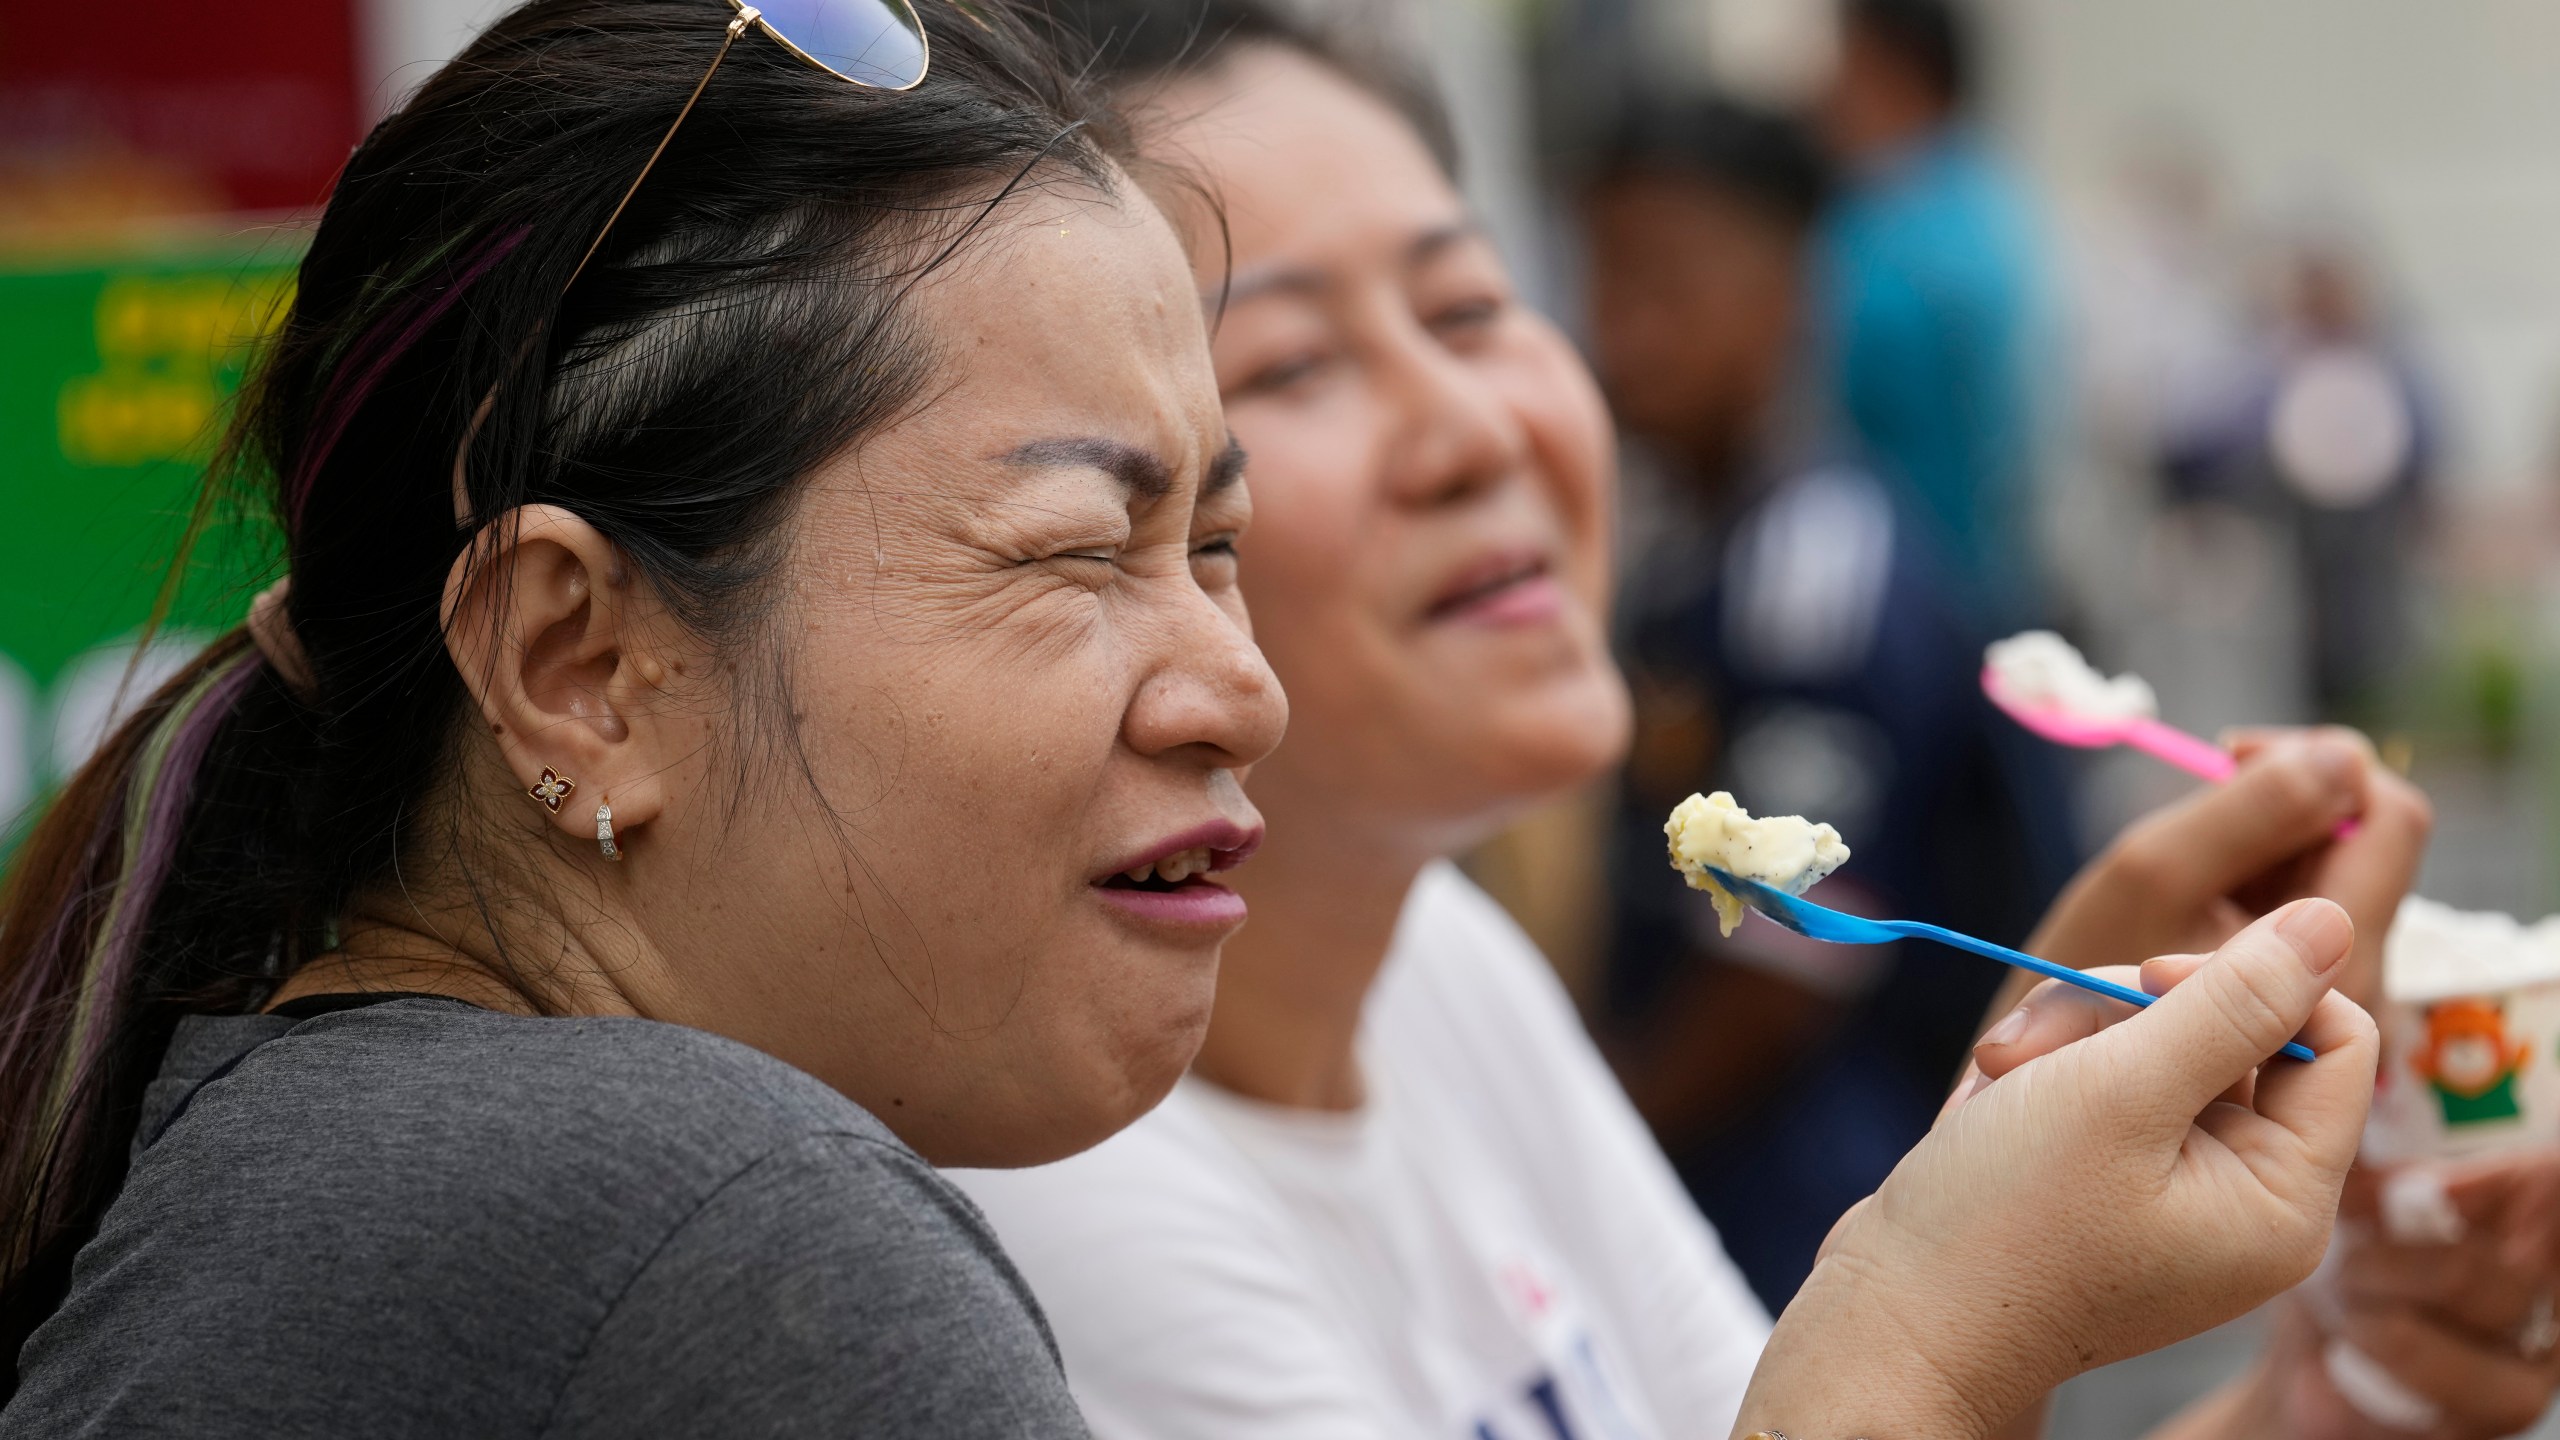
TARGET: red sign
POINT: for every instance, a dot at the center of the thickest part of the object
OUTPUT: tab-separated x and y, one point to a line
251	106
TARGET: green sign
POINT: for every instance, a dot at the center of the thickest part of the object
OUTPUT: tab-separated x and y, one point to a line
115	377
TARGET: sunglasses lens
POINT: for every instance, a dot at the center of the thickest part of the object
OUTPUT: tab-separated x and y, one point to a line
869	42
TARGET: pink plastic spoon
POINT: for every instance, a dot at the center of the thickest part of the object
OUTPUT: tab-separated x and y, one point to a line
2194	754
2167	743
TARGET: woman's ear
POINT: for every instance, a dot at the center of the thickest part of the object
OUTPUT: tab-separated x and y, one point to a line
565	654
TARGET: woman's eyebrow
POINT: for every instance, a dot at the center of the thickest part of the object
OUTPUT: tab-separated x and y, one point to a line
1225	469
1140	472
1267	280
1428	245
1309	280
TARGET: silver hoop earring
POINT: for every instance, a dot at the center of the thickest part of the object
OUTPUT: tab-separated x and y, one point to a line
604	832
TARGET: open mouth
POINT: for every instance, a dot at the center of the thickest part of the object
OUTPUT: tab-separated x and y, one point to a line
1487	584
1184	861
1183	868
1170	888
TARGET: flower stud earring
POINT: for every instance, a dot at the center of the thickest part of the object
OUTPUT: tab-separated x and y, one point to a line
555	787
604	832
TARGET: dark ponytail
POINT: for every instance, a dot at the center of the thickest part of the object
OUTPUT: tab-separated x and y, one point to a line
742	325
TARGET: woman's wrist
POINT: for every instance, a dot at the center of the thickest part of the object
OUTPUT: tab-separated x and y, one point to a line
1843	1364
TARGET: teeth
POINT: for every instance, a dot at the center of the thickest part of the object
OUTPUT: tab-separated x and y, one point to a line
1173	869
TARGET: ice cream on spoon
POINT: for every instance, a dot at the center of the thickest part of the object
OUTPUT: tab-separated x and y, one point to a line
2043	672
1784	852
1767	863
2049	687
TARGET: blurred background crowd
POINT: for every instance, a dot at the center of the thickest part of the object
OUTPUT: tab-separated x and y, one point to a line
2223	338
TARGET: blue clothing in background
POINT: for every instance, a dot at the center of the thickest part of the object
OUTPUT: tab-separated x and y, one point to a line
1931	292
1832	675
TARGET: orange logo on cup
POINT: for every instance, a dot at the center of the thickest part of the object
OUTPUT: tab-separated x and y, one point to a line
2470	1061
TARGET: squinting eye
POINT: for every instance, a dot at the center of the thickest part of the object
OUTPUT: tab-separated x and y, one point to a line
1280	376
1469	315
1213	560
1107	554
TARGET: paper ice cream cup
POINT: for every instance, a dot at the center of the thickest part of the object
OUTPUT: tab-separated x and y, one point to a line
2470	1035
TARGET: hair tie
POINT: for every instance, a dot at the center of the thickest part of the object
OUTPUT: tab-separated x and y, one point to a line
271	629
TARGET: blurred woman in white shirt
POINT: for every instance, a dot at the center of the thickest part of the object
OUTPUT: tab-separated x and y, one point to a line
1398	1193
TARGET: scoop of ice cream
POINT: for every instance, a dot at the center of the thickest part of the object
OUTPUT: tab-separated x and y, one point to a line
2435	951
1786	852
2043	671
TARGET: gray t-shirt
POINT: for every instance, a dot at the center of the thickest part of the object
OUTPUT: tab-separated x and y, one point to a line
418	1218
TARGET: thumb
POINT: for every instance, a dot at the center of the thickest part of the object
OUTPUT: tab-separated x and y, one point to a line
2244	1003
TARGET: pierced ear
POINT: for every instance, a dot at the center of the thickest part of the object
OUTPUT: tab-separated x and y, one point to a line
561	652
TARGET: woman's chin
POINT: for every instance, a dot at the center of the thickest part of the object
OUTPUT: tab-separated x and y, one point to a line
1560	737
1102	1085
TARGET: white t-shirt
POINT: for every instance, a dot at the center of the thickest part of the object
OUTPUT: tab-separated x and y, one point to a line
1492	1249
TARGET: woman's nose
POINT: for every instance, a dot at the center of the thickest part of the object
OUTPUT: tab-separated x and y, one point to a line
1213	692
1451	431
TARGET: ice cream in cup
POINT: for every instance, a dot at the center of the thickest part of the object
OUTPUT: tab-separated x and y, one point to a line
2471	1035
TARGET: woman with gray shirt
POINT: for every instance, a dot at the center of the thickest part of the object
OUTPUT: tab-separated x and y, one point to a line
757	710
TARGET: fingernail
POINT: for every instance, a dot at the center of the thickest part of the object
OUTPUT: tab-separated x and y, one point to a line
2319	933
2011	1029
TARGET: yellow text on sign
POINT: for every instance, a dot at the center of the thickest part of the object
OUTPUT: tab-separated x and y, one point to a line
164	347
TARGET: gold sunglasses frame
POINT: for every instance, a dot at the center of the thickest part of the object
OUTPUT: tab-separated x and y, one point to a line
747	16
750	16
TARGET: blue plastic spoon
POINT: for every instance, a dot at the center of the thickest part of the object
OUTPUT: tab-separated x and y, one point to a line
1818	922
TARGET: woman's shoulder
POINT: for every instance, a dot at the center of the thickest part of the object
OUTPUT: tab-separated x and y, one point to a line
622	1213
451	1084
438	1115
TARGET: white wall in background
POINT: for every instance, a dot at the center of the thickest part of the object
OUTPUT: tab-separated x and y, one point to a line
98	691
401	42
2436	125
1474	52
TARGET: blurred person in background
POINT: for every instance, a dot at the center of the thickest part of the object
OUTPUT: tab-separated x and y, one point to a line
1931	284
1398	1194
1800	640
2332	436
2164	337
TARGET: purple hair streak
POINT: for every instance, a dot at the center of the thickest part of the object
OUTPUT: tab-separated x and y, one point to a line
155	814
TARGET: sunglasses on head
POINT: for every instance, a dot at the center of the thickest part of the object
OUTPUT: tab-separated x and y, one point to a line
877	44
